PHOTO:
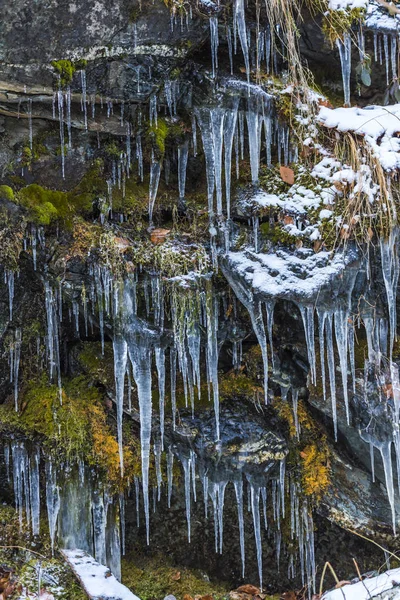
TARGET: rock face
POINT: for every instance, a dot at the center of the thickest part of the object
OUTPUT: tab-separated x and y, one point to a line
200	257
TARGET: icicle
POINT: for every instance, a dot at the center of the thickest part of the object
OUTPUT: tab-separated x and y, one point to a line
344	48
352	354
331	368
214	44
10	283
321	334
157	459
240	23
371	453
21	480
30	123
239	500
173	385
307	313
386	48
120	363
204	119
217	127
170	473
255	509
17	357
52	500
255	311
99	527
230	47
183	153
84	100
137	499
393	53
341	325
122	520
155	171
295	397
140	356
187	473
385	449
229	132
160	364
253	126
390	271
60	98
212	349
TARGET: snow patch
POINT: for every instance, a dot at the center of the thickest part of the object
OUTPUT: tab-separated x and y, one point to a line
367	588
96	579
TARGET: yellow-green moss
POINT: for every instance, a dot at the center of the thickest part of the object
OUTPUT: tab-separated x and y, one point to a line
310	453
6	193
66	69
43	205
73	425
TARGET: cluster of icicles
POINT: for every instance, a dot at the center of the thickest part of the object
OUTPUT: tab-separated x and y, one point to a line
177	341
338	322
385	49
81	514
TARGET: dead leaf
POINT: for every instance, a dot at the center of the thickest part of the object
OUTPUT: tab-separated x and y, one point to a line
122	243
317	245
176	577
248	589
158	236
287	174
287	220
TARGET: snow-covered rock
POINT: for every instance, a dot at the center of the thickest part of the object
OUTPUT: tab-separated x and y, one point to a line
96	579
375	587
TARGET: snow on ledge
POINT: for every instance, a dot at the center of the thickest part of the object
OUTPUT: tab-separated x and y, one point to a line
96	579
367	588
380	126
299	276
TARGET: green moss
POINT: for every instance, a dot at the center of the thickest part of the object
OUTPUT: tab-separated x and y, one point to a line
70	426
6	193
152	578
98	365
165	130
91	186
66	69
43	205
277	234
159	133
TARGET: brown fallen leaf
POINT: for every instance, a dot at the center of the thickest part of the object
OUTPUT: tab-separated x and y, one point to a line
287	220
207	597
240	596
248	589
317	245
158	236
122	243
287	174
176	577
